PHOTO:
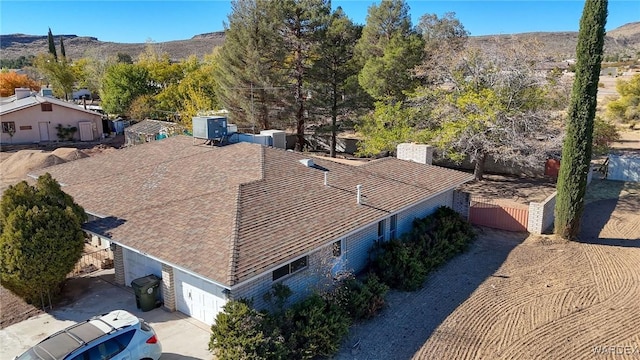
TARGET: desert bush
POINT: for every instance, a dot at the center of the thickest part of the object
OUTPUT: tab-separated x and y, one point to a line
361	299
404	264
399	264
241	332
314	327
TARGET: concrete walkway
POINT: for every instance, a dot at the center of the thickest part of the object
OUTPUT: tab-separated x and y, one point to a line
181	337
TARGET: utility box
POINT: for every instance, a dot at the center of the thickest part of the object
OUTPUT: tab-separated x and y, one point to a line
209	127
278	138
146	290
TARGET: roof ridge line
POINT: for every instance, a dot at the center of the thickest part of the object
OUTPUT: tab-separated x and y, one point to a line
233	258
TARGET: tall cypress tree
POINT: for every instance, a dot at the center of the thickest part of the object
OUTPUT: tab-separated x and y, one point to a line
52	45
62	51
576	150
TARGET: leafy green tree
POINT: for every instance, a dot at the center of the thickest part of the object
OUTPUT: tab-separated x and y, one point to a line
249	73
59	73
304	21
496	105
578	141
122	84
389	49
52	45
385	128
334	93
627	107
40	238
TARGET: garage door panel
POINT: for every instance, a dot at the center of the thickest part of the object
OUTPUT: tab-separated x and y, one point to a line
198	298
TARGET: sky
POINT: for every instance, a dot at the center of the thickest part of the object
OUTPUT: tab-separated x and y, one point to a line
140	21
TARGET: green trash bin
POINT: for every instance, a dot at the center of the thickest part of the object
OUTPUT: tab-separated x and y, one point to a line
146	290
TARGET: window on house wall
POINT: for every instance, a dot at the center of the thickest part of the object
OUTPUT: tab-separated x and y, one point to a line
8	127
337	248
290	268
46	107
381	230
393	225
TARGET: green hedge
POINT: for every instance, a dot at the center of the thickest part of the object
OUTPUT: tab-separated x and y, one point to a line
404	263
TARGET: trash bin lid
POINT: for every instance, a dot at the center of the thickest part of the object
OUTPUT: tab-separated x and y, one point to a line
145	281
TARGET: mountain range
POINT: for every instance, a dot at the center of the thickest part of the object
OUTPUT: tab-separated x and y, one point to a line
557	46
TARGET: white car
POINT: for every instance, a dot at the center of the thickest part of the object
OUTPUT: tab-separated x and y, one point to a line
118	335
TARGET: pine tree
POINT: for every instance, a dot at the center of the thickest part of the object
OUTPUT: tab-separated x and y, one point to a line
250	64
304	21
52	45
388	50
334	71
577	147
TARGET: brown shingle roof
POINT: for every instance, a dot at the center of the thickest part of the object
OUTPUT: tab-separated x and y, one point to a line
230	213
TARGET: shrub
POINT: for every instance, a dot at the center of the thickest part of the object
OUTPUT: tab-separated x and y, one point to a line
241	332
399	264
315	327
404	264
361	299
41	238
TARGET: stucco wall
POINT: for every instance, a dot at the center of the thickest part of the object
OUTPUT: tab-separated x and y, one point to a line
32	116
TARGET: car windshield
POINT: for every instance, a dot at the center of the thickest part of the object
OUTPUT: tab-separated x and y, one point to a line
29	355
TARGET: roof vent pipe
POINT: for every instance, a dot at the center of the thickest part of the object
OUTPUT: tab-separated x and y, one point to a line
359	190
326	182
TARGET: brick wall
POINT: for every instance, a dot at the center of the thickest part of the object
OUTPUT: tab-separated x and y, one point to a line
420	153
168	288
541	215
118	264
461	202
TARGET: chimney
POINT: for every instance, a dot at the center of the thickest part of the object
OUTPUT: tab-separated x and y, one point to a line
359	194
22	93
420	153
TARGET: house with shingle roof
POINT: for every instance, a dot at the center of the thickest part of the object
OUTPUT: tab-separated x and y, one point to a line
29	117
227	222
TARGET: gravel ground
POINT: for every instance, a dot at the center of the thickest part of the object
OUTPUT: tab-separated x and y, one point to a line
411	317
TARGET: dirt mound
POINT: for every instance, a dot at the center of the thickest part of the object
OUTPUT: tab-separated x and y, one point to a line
69	154
17	166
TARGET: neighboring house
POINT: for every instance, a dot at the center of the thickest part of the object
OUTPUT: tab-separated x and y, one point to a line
32	118
220	223
150	130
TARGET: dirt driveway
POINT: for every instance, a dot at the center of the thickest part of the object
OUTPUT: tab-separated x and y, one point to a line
538	298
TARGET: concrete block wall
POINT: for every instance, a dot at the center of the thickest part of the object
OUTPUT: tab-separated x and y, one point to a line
420	153
541	215
461	203
118	264
358	245
168	288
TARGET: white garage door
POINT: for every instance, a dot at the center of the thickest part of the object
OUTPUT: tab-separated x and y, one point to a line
198	298
137	265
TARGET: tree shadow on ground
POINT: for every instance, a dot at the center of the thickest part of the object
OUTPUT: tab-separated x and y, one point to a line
611	215
411	317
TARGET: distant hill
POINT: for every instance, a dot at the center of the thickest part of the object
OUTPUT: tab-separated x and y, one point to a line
558	46
15	45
